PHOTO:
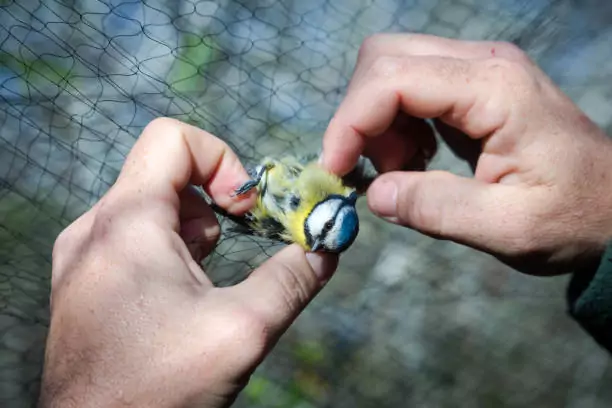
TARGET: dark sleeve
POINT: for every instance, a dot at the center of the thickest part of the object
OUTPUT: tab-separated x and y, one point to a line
589	297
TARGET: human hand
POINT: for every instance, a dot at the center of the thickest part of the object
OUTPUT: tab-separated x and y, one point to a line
134	319
541	196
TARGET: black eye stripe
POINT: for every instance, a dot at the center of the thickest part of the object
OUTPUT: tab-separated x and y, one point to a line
326	229
330	224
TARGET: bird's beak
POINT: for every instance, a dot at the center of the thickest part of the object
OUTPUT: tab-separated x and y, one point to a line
316	246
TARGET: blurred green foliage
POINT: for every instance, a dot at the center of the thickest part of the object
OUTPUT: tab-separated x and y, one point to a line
309	352
39	71
264	392
305	387
193	59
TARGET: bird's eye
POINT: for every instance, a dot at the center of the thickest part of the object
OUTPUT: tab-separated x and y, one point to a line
328	225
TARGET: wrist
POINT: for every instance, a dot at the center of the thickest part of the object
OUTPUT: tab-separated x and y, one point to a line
73	396
88	390
98	390
93	396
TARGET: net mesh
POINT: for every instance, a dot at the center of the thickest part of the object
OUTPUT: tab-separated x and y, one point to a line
407	321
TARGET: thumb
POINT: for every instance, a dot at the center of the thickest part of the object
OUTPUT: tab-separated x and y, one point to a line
284	285
443	205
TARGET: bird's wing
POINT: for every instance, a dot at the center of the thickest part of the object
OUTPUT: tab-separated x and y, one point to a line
362	175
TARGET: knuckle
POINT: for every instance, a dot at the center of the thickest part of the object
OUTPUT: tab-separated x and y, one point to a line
247	337
250	325
508	73
381	43
370	46
68	249
294	286
511	51
386	66
426	218
420	211
71	237
168	129
160	124
499	67
63	242
104	222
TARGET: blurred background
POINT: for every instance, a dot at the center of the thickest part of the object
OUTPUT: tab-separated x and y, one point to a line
407	321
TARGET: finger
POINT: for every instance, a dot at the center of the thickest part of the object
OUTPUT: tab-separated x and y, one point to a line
406	45
199	227
460	144
455	90
400	143
489	217
200	237
170	154
282	287
381	46
193	205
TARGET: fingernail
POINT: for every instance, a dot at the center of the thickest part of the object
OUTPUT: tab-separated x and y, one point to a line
321	159
323	264
382	198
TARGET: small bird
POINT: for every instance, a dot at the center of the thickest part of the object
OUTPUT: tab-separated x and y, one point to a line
300	202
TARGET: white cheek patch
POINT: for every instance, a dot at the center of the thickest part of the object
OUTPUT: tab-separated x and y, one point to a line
320	215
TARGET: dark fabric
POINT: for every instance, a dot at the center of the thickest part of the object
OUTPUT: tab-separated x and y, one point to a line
589	297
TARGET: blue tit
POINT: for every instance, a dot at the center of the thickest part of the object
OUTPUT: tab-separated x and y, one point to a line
300	202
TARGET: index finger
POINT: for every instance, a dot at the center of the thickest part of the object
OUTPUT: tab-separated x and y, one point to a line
171	154
384	47
423	87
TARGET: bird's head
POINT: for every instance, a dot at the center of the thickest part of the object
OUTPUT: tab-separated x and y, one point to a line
332	225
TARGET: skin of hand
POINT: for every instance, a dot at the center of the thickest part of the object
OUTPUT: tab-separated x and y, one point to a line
134	319
541	196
